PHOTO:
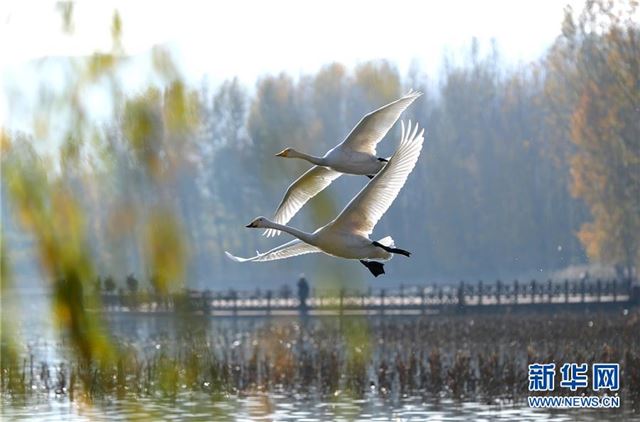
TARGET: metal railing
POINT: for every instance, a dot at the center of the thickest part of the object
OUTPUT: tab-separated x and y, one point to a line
458	298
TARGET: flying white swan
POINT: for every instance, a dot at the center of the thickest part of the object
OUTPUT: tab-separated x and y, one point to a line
355	155
347	236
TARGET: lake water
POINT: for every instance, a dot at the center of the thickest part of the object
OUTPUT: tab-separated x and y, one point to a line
282	407
276	405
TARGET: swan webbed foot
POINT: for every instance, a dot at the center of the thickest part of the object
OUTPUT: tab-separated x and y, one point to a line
370	176
384	160
392	250
400	252
376	268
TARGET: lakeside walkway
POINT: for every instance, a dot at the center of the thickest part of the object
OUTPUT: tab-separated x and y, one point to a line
407	300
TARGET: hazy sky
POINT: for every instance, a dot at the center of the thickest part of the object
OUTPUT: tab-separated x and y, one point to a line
246	39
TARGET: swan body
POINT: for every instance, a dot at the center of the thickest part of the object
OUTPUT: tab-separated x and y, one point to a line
349	246
355	155
347	236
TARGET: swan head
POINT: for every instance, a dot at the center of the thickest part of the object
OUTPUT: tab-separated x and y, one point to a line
287	153
259	223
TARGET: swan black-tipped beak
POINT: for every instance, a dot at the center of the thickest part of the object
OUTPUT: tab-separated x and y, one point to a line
250	226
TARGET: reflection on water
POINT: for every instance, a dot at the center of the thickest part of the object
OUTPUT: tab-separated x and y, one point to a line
282	407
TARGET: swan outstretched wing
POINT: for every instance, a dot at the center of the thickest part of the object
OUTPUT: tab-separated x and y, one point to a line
304	188
294	248
366	209
374	126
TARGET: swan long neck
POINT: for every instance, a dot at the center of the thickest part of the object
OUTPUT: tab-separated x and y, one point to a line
304	236
318	161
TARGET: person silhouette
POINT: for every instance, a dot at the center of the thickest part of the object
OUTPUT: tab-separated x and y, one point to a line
303	293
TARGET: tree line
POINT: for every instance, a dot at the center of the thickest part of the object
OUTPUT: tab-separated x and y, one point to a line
528	168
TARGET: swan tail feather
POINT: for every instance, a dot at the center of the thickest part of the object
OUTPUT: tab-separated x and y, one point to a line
387	241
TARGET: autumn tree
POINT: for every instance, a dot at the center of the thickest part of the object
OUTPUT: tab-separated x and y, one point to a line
597	79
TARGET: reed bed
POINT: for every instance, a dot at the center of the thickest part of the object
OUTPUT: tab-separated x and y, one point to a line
467	358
